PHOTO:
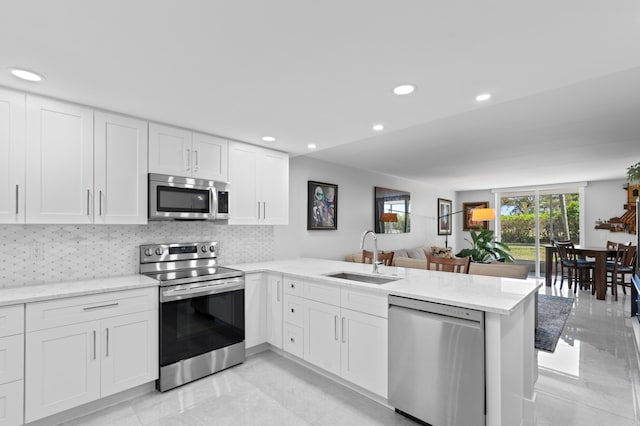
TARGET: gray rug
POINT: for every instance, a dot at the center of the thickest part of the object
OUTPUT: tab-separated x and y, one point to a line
553	312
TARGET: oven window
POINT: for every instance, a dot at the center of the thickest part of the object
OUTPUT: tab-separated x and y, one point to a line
191	327
172	199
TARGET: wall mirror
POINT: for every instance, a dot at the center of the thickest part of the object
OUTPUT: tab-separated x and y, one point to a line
392	209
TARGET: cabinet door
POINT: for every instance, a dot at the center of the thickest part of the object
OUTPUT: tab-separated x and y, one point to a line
274	306
255	310
273	187
62	369
364	351
129	351
210	157
120	170
322	336
169	150
12	107
59	162
244	208
11	403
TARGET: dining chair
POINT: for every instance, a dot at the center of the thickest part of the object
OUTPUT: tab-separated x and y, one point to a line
579	270
611	245
385	258
623	264
556	259
445	264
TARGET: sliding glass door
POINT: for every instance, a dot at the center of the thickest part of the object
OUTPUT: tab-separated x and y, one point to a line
529	220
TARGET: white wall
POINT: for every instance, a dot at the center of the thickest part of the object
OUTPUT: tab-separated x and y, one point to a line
355	212
604	199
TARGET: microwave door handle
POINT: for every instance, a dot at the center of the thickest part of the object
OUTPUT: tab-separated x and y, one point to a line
214	203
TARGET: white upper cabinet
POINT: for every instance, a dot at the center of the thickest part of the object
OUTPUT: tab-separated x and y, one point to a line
179	152
12	112
59	162
120	170
210	157
260	183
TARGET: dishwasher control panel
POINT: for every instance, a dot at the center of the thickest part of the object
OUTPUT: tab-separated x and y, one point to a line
437	308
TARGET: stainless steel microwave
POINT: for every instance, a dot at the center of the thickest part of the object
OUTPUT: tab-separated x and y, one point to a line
185	198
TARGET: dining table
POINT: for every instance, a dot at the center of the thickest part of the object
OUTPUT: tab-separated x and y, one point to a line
600	255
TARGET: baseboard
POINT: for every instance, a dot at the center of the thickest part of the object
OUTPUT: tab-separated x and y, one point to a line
529	410
93	406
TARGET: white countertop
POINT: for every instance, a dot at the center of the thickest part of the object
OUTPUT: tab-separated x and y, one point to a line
489	294
34	293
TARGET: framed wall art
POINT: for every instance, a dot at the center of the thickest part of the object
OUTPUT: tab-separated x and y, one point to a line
444	216
322	206
467	223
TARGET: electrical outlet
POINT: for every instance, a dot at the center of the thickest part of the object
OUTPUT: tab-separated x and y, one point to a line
37	253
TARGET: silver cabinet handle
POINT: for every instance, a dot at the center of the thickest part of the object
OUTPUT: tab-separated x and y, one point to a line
110	305
195	160
278	291
335	322
107	350
264	209
100	201
88	202
258	210
188	155
17	198
94	345
342	330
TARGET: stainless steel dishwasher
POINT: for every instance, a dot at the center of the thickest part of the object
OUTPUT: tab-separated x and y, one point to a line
436	362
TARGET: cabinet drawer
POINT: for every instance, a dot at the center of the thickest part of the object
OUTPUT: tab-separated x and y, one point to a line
293	310
322	292
11	403
294	339
11	358
11	320
364	301
72	310
293	286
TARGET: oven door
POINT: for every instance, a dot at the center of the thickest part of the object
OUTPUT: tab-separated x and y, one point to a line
197	321
173	197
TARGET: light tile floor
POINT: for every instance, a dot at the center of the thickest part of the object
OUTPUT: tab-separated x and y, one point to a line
591	379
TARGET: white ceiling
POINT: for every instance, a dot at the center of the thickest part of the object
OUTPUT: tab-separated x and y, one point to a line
565	78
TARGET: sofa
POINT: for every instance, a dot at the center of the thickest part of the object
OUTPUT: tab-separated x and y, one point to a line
417	258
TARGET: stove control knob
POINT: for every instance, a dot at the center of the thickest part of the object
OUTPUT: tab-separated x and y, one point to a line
204	249
159	251
212	248
148	252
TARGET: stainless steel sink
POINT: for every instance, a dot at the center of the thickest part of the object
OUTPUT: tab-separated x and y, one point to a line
352	276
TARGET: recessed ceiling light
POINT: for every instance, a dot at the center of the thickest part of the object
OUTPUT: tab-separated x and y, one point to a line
26	75
311	146
404	89
268	139
483	97
378	127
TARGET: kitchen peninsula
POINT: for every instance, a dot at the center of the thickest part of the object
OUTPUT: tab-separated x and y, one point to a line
307	310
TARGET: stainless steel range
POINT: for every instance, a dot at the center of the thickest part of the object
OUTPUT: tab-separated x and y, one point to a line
201	311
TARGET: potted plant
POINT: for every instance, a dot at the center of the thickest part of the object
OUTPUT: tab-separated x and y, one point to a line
484	248
633	174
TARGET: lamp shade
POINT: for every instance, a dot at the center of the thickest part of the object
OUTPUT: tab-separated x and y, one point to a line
480	215
388	217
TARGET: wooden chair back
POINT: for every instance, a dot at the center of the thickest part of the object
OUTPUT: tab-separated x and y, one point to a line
385	258
611	246
457	264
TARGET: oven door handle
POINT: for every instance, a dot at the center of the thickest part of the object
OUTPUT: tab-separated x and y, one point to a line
169	295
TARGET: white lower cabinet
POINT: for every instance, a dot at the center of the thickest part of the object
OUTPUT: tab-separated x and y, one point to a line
108	344
275	297
363	354
255	309
11	365
341	330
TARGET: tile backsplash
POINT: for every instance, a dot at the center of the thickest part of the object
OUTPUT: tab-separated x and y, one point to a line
38	254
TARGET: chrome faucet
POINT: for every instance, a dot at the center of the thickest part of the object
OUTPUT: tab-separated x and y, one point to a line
375	249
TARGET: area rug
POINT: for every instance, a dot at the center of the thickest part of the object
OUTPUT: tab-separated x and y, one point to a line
553	312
